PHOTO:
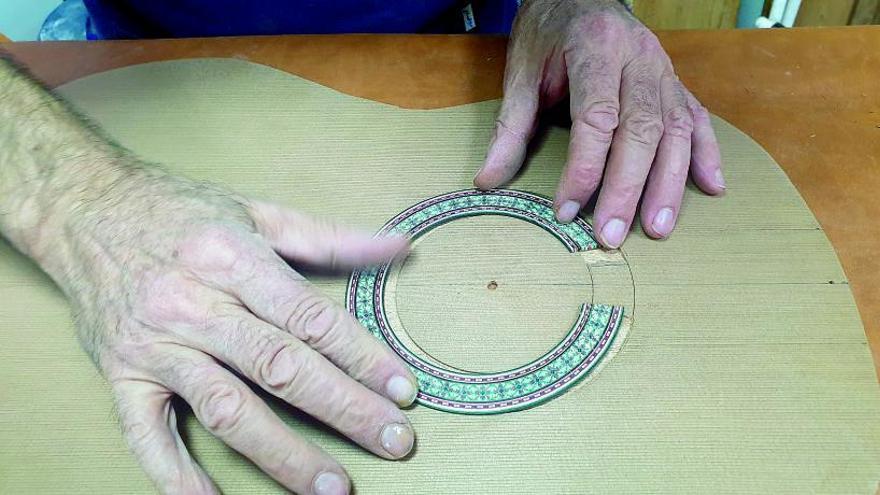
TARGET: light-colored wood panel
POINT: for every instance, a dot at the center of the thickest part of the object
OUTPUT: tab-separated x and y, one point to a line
479	250
725	257
743	314
745	75
656	384
517	324
537	288
825	12
743	257
687	14
692	403
865	12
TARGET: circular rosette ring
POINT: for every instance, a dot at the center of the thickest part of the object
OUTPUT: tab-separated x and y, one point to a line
575	357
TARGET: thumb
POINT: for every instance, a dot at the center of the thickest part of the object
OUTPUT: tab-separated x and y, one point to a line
319	242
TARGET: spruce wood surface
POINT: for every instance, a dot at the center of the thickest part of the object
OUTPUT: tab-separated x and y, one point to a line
745	367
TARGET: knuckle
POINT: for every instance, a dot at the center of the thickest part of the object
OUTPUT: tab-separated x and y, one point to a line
643	128
361	415
282	462
138	350
281	366
678	122
677	175
599	27
312	319
601	116
700	114
628	193
212	248
269	219
366	422
517	134
221	407
138	433
648	43
168	298
189	482
584	178
672	176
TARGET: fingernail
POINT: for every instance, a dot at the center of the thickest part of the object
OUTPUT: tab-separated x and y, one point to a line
480	184
568	211
480	171
397	439
662	223
719	179
401	390
613	233
329	483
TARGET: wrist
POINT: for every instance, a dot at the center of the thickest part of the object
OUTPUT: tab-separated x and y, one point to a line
51	163
42	213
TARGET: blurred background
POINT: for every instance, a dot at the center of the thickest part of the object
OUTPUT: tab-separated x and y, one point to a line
22	20
725	14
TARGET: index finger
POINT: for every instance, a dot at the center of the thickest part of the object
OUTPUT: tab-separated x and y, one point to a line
594	80
515	124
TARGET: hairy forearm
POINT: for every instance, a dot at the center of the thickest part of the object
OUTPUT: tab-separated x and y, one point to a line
51	163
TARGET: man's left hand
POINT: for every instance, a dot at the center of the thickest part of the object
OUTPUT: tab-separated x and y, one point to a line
635	128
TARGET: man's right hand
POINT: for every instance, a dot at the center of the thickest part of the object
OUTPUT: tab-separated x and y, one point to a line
181	288
175	282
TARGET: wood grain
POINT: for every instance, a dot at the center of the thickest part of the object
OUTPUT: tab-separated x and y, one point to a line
687	14
865	12
808	96
745	368
825	12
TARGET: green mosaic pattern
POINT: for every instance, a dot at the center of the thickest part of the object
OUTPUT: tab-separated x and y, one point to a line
577	235
571	360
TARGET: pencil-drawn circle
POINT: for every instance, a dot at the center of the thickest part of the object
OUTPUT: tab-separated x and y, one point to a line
576	356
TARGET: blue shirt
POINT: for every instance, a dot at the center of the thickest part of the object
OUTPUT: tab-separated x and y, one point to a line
120	19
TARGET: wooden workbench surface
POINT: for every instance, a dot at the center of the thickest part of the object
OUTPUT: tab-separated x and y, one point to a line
810	97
